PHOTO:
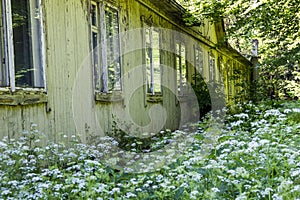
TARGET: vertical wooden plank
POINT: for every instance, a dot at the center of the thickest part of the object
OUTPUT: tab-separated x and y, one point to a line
9	45
103	49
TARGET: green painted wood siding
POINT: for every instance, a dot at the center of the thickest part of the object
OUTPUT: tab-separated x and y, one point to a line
70	106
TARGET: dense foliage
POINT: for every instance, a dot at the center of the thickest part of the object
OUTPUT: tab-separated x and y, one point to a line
274	23
254	156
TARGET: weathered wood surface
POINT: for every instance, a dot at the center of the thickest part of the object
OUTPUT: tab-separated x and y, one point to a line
71	107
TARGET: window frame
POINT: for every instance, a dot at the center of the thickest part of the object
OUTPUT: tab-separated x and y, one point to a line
199	60
151	90
212	67
100	72
230	79
36	13
183	81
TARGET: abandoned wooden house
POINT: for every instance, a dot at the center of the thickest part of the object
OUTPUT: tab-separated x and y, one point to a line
77	66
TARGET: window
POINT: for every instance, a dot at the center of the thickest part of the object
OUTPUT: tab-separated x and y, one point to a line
180	59
221	69
106	47
230	78
198	60
21	52
212	69
152	60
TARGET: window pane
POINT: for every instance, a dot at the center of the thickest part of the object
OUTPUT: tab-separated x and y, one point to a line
156	62
27	44
178	64
211	68
230	78
148	61
113	49
199	61
94	15
183	67
96	61
177	48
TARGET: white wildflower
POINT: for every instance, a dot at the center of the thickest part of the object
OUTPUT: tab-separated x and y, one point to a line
297	188
115	143
194	194
159	178
114	190
242	115
242	172
253	144
289	129
196	176
155	186
267	191
5	192
253	124
277	197
232	172
297	110
215	190
134	181
101	187
272	112
295	173
2	144
129	195
184	185
36	179
236	123
287	111
263	142
285	185
242	196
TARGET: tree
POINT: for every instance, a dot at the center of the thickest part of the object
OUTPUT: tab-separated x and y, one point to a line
276	25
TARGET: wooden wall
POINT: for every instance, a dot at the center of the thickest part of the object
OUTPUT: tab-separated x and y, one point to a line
71	107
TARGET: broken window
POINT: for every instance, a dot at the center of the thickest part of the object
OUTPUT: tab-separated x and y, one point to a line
152	60
21	41
106	47
180	59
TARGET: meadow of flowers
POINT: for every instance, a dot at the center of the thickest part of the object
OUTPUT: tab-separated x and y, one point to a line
255	154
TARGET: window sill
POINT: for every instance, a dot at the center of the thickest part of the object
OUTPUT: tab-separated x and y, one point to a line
109	97
154	98
22	97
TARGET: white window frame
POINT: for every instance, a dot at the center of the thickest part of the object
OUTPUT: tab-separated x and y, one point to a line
153	85
38	51
100	52
183	80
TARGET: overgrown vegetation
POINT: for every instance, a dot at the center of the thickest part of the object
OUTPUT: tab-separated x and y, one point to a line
255	156
201	90
274	23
